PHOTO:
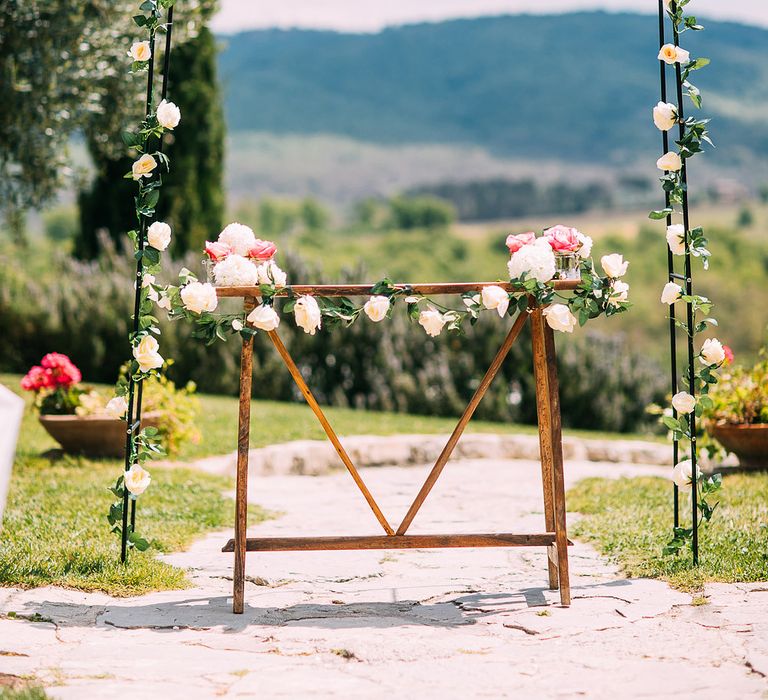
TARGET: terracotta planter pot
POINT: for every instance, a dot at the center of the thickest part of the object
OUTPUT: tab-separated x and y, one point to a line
748	442
93	436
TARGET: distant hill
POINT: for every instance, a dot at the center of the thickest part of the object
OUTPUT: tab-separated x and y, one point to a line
573	87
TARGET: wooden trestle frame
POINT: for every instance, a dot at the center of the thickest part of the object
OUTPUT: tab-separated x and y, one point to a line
555	537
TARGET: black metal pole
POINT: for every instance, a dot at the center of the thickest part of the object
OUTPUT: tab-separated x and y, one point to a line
670	269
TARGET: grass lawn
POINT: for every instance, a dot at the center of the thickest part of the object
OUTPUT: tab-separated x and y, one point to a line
630	520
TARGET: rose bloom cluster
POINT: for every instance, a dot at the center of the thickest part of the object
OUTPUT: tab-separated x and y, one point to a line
54	371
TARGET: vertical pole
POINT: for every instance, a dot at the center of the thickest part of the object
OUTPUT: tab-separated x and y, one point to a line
241	489
671	271
689	311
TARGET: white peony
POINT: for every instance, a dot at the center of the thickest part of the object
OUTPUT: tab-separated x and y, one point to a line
671	293
264	318
586	245
140	51
137	480
146	353
664	116
494	297
376	308
198	297
270	273
683	402
307	313
618	293
143	167
614	265
117	407
670	162
682	474
669	53
560	318
676	239
159	235
712	352
168	115
536	259
235	271
239	238
432	321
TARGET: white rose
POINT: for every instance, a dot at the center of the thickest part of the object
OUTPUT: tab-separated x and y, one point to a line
712	352
536	259
683	402
117	407
664	116
237	325
198	297
264	318
168	115
159	235
143	167
140	51
676	239
376	308
614	265
560	318
307	314
147	355
671	293
670	54
669	162
235	271
586	245
494	297
239	238
270	273
619	292
682	474
137	480
432	321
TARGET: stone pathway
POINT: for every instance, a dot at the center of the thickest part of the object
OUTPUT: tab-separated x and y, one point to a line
432	624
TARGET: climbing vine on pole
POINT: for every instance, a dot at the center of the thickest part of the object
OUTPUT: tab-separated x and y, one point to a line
150	238
690	391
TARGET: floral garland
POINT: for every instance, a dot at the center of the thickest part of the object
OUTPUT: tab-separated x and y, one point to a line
691	403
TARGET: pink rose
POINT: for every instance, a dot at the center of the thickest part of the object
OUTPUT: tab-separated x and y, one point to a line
514	243
563	239
262	250
217	251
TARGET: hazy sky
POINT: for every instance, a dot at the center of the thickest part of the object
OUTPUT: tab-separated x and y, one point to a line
371	15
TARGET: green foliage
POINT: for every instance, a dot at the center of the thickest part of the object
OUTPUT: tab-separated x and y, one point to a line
746	218
313	215
26	692
734	546
408	213
741	394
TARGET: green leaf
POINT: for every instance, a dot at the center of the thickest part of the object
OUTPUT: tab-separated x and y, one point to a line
660	214
140	20
139	542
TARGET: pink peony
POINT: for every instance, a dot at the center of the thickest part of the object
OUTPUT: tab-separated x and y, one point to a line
217	251
514	243
37	378
262	250
563	239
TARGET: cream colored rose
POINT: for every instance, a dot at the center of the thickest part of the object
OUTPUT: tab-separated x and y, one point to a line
376	308
264	318
147	355
137	480
307	314
676	239
117	407
670	54
671	293
619	292
432	321
614	265
494	297
683	402
159	235
198	297
140	51
560	318
682	474
664	116
669	162
168	115
712	352
143	167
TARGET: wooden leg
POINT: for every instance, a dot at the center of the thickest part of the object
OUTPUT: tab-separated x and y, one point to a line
558	478
241	493
541	377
